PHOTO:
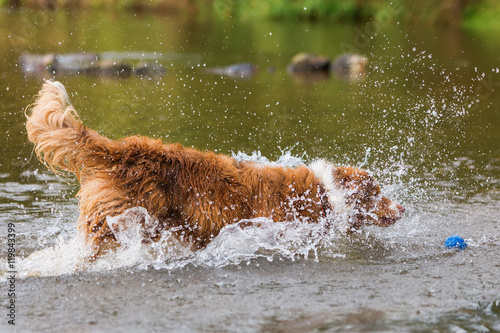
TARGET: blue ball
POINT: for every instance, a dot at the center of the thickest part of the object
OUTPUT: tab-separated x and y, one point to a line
455	242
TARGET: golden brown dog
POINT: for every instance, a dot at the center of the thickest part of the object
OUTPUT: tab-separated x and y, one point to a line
192	193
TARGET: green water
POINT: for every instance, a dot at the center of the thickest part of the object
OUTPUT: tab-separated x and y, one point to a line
426	121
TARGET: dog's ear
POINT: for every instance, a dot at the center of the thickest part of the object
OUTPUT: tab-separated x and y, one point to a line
348	177
355	179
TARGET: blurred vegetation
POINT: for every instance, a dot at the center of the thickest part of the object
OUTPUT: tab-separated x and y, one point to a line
473	13
482	14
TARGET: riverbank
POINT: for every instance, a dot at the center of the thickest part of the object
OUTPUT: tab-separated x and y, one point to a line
470	13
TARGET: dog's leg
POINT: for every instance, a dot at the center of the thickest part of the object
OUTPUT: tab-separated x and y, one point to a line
99	198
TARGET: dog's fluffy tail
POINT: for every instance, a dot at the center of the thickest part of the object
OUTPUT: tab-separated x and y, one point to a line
61	141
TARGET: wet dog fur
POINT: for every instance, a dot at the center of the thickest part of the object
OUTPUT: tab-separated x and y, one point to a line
190	192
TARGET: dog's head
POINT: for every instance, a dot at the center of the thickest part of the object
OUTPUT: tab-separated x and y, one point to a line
361	194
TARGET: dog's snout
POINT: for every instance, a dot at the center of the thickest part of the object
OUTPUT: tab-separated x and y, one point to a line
400	208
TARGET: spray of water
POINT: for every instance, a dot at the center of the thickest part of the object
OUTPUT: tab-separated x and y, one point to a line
415	111
244	241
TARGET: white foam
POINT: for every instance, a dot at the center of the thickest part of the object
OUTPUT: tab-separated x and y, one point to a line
259	238
285	160
263	237
66	257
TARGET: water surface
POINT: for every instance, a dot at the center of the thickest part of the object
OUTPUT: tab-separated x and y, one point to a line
425	122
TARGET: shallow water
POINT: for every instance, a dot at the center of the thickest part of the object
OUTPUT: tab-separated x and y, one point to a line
425	122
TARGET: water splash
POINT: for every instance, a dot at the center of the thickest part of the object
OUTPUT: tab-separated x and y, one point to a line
66	257
236	243
287	159
411	125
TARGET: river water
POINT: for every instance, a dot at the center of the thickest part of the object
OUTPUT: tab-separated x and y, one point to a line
425	121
